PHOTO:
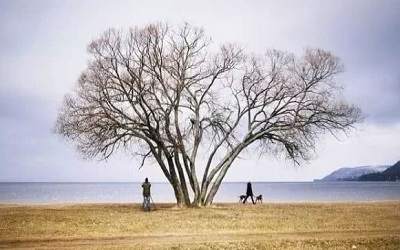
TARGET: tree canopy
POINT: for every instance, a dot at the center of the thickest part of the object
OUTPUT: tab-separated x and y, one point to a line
169	94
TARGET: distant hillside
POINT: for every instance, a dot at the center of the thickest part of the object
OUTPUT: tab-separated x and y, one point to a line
353	173
390	174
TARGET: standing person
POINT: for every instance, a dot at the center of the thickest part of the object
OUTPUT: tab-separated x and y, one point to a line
249	192
146	194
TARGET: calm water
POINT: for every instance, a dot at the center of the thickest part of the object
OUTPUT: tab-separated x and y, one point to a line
43	193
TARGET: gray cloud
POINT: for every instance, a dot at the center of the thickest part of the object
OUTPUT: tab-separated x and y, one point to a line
43	44
25	125
370	53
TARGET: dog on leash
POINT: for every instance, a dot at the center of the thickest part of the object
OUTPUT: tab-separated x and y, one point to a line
259	198
241	198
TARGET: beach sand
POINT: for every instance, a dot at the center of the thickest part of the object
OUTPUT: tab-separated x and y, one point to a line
222	226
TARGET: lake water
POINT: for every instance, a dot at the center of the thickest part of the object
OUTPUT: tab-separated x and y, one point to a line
275	192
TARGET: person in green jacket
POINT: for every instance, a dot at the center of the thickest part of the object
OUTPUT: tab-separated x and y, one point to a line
146	194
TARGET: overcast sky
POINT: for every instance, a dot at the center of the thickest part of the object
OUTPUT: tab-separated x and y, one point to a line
43	50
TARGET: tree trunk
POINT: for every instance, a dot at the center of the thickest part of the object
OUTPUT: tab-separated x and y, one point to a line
197	200
177	186
217	184
184	188
221	175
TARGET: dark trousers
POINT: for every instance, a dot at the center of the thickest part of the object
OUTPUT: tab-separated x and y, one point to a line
247	196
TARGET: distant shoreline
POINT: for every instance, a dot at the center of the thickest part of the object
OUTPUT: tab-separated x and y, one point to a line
134	182
216	204
288	192
161	182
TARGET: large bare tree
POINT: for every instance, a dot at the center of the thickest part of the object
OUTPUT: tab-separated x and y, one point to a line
168	94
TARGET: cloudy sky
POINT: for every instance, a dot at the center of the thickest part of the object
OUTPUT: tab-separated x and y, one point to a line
43	50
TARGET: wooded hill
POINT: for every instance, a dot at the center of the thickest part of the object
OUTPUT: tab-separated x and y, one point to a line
390	174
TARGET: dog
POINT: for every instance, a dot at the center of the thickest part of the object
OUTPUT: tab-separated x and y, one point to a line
259	198
241	198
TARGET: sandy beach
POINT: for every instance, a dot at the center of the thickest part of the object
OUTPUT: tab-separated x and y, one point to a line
222	226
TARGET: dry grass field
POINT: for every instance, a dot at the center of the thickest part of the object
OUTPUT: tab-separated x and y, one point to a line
223	226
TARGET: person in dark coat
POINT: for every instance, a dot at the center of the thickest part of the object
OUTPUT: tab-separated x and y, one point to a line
249	193
146	195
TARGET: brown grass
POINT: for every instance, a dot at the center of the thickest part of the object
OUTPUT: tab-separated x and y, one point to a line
224	226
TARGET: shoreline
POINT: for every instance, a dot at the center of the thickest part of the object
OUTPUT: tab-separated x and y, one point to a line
274	193
220	226
214	204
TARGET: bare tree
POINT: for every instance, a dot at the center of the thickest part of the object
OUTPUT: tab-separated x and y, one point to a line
170	95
